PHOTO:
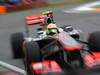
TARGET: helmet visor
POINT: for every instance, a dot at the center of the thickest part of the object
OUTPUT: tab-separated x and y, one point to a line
53	30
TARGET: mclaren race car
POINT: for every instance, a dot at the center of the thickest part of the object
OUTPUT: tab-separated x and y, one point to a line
54	53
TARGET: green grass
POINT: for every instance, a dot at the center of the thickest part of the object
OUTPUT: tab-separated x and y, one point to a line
2	69
97	6
68	3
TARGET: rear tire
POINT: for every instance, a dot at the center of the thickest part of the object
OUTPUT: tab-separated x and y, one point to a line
16	44
94	41
32	54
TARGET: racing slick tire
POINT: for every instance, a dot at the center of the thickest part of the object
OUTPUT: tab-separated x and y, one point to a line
16	44
32	54
94	41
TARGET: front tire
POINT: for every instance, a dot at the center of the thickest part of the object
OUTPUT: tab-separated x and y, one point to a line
94	41
17	40
32	54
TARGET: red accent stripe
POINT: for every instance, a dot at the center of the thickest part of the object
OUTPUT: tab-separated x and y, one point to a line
36	16
73	48
35	21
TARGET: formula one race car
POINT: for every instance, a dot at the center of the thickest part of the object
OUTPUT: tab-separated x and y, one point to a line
55	53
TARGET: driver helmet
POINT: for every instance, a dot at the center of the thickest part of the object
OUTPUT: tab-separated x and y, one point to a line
52	29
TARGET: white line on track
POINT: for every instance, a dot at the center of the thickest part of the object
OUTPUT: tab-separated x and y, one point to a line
87	6
82	8
13	68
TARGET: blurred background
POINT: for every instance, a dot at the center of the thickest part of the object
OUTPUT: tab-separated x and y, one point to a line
15	5
12	20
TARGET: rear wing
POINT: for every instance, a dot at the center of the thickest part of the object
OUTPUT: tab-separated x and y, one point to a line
35	19
39	18
43	19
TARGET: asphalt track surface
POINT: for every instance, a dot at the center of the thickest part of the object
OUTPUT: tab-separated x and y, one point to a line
14	22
